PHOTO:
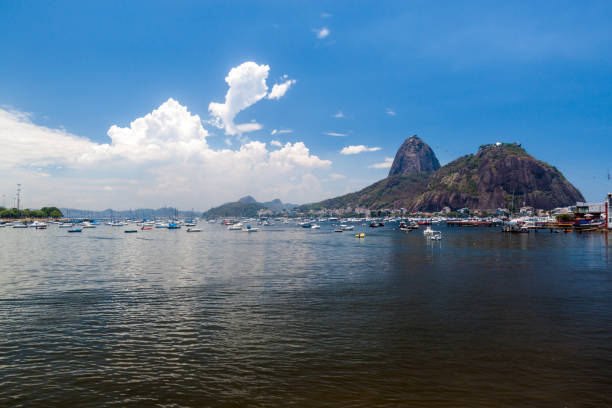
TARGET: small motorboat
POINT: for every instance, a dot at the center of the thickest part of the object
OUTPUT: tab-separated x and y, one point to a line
338	230
315	226
130	231
436	236
250	229
194	230
428	231
146	227
347	227
75	230
20	226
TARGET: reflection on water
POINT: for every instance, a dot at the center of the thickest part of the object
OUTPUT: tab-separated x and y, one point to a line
309	318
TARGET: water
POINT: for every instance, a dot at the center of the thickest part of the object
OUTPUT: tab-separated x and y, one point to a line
288	316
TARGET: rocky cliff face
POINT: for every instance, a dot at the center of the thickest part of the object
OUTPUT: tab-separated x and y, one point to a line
414	156
498	176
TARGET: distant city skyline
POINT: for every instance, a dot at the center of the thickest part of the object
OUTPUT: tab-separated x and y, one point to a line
191	105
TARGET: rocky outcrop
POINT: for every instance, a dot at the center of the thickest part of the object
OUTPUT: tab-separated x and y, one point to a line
500	175
414	156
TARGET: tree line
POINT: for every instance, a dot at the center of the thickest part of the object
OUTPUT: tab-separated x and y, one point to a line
45	212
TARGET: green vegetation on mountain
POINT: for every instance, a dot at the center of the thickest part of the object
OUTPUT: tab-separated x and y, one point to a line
236	209
391	192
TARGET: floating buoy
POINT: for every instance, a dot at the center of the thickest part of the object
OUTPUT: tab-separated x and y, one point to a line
362	235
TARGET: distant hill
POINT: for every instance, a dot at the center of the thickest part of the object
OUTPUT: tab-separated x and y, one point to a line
138	213
246	207
235	209
500	175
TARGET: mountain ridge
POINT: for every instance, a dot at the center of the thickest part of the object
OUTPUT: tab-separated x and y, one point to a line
500	175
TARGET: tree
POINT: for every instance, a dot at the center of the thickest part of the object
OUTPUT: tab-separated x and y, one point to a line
52	212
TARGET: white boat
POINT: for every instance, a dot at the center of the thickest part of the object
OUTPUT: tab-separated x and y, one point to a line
20	226
436	236
250	229
87	224
428	231
194	230
66	225
161	225
235	227
347	227
315	226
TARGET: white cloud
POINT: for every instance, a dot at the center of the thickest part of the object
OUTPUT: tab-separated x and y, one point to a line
336	134
390	112
336	176
338	115
247	86
386	164
160	158
281	131
275	143
279	90
321	33
358	149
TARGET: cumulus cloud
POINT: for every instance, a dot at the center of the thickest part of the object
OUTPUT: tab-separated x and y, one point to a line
386	164
279	90
338	115
247	86
321	33
160	158
275	143
358	149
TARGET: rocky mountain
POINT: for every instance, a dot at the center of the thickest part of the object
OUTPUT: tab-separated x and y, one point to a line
414	156
500	175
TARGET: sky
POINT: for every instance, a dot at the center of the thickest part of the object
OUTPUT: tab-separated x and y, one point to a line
192	104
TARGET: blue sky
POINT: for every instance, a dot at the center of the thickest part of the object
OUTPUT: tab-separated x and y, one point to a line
458	74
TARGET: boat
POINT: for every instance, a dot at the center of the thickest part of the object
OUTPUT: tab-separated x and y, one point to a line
305	225
75	230
315	226
20	226
338	230
235	227
436	236
130	231
428	231
361	235
146	227
249	229
173	225
194	230
345	227
88	225
41	226
377	224
66	225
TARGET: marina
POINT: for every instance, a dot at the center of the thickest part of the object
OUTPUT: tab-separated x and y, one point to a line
191	313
